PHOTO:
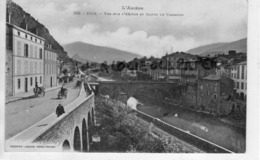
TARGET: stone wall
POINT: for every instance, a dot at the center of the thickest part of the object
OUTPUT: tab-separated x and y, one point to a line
142	90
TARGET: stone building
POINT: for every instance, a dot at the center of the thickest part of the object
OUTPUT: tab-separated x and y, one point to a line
25	68
50	67
215	94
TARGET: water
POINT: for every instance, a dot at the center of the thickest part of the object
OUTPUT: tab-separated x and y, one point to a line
202	125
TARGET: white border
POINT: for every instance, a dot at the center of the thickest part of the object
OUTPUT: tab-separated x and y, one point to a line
253	108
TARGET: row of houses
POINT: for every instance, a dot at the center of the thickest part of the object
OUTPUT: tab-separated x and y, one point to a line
29	60
210	84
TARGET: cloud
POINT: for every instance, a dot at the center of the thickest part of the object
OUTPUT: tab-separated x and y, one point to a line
204	22
136	41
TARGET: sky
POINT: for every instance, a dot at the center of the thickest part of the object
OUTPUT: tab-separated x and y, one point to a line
202	22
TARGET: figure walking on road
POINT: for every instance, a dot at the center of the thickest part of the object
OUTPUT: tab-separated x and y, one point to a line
60	110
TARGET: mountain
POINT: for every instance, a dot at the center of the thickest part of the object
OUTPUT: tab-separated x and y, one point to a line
18	15
80	59
216	48
98	53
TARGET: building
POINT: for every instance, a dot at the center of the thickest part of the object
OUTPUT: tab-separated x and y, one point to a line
50	67
172	63
214	94
25	68
241	80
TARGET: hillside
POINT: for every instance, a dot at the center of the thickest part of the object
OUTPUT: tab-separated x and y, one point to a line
18	14
216	48
76	57
98	53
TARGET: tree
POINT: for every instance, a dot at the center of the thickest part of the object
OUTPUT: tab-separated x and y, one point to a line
65	71
87	65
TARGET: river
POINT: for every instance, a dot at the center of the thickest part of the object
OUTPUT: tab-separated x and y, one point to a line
200	124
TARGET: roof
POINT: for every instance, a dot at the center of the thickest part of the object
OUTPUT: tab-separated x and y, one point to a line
212	78
174	77
26	31
161	77
241	63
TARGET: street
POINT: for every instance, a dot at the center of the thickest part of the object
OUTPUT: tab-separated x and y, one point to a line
21	114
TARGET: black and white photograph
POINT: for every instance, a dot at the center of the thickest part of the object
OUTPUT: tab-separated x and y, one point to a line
129	76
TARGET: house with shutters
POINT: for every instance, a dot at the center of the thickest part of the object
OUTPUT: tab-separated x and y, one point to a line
24	59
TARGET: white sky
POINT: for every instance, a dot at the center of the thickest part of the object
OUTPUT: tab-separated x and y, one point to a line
204	22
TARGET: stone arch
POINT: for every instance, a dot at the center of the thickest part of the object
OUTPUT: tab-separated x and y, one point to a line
66	146
93	116
76	140
84	136
89	128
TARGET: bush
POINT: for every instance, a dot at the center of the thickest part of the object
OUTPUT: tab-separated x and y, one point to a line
122	131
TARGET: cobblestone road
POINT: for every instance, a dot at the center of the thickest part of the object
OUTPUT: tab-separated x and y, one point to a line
22	114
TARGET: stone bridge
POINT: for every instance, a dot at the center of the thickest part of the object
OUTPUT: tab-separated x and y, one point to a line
69	132
157	90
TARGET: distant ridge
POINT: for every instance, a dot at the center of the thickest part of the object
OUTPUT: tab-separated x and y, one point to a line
89	52
216	48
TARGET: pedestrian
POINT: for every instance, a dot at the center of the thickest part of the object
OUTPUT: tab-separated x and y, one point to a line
60	110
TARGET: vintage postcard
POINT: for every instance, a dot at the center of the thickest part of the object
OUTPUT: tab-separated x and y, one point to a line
128	76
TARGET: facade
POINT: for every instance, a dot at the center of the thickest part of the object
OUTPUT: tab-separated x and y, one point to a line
50	67
241	80
215	94
27	58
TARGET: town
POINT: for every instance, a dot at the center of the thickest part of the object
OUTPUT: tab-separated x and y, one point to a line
177	103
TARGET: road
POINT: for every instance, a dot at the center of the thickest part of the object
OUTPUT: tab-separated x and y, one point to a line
21	114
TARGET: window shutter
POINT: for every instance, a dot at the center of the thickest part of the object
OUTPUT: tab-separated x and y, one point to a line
18	48
18	67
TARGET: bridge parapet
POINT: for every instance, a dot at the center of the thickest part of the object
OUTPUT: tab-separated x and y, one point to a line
68	132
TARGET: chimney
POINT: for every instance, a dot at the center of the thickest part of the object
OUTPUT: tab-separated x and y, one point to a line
24	23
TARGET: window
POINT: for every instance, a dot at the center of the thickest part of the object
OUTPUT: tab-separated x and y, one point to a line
215	88
237	85
40	53
243	68
26	50
31	81
35	39
242	85
238	71
26	36
215	96
18	33
40	79
35	80
31	38
19	83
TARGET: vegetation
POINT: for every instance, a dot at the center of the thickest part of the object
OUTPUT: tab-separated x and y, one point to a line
121	131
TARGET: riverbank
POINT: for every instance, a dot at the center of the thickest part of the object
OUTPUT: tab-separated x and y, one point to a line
200	124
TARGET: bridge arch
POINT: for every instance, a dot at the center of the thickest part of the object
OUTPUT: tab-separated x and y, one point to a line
89	128
93	116
66	145
76	140
84	136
